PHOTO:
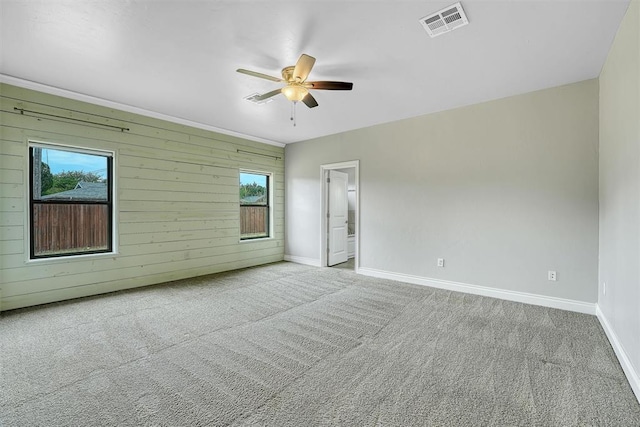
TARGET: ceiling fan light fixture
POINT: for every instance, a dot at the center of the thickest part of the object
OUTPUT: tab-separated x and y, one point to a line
297	87
295	93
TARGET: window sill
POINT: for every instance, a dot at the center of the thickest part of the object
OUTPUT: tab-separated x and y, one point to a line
259	239
72	258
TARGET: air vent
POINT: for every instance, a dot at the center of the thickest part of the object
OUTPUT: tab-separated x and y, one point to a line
254	99
448	19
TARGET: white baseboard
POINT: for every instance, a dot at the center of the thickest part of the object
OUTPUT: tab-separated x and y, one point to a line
632	376
545	301
314	262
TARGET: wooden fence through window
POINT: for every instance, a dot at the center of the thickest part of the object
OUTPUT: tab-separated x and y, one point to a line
253	221
61	228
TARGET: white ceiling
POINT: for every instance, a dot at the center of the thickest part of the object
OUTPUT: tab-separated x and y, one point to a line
178	58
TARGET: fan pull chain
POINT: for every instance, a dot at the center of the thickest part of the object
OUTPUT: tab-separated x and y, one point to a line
293	112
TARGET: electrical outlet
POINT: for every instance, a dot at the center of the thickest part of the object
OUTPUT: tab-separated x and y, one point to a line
440	262
551	275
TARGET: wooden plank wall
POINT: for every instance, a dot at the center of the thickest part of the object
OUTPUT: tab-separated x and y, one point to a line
177	200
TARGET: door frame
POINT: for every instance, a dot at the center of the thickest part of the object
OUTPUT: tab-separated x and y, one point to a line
324	203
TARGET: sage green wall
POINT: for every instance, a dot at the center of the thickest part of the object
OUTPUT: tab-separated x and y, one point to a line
620	189
176	192
504	191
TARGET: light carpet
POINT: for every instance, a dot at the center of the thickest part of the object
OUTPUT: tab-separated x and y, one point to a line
291	345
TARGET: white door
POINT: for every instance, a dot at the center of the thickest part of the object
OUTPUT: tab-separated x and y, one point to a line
338	217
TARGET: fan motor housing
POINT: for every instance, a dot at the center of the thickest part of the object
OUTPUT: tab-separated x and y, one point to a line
287	73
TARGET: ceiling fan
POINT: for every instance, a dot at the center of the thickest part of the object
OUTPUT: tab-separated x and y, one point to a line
297	87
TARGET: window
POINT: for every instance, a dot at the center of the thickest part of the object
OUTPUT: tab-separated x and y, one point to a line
71	201
254	205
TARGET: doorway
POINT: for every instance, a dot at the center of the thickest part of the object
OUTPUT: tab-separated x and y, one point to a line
340	227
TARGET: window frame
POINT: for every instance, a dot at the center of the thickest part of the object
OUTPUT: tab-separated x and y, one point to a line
269	205
110	202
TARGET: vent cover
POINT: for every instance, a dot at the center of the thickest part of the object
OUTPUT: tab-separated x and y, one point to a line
448	19
253	98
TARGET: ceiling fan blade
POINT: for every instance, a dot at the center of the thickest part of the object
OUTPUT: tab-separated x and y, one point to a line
260	75
330	85
303	67
268	95
310	101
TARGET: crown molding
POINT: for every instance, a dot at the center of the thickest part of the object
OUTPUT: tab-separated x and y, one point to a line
51	90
